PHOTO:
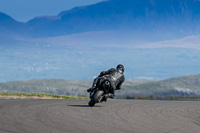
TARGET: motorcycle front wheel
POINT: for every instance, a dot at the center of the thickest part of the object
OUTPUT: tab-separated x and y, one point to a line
95	98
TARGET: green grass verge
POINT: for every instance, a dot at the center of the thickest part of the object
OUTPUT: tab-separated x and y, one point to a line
41	95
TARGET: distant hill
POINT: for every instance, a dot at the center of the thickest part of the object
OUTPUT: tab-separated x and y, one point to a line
181	86
48	86
53	86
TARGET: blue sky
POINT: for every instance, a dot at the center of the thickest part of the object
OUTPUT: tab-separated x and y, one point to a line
24	10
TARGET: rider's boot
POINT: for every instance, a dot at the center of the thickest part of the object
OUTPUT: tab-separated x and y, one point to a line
110	95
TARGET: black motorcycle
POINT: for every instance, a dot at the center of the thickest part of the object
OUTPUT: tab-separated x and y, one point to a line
101	92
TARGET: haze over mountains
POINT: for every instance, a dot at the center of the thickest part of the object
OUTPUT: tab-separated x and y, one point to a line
181	17
141	34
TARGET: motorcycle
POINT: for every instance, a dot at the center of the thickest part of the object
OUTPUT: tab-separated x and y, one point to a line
101	92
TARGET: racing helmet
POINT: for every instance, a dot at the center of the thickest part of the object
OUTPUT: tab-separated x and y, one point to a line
120	67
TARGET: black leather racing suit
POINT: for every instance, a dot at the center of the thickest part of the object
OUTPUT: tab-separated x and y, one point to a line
116	77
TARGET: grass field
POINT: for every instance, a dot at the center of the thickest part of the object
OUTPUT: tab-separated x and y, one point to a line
38	95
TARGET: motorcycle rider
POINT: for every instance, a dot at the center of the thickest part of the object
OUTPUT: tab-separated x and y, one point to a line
115	76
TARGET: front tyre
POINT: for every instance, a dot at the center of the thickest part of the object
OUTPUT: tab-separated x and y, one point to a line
95	98
91	103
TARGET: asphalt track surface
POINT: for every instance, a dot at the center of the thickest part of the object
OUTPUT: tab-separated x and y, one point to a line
115	116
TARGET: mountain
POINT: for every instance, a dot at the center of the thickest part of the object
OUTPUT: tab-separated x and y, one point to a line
10	28
178	17
171	18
